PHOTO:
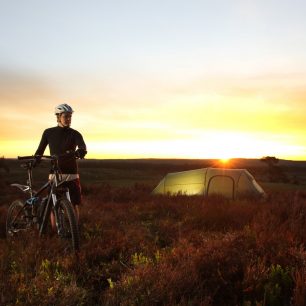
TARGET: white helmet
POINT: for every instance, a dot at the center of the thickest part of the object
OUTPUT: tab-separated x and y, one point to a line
63	108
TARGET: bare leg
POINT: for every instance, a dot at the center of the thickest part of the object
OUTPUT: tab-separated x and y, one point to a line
77	212
52	219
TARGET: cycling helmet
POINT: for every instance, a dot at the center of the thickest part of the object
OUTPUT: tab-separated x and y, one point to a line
63	108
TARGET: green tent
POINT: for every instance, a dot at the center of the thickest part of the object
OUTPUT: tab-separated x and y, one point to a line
231	183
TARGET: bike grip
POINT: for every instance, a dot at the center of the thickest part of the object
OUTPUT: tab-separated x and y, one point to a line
25	157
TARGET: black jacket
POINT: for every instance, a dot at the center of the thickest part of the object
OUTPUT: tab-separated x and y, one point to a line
61	140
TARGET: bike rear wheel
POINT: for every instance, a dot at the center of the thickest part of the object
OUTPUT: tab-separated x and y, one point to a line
18	219
67	224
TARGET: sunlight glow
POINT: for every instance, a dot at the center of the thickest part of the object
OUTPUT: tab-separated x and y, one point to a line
194	144
225	161
216	145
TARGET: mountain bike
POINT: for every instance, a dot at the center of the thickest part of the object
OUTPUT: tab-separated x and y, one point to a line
34	212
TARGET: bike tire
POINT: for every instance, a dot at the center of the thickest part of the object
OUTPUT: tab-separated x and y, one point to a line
17	219
68	225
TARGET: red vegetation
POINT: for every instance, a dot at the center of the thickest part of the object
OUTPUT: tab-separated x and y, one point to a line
143	250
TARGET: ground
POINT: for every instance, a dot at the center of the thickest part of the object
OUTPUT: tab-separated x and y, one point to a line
139	249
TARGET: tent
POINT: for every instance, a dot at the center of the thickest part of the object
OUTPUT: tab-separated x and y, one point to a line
231	183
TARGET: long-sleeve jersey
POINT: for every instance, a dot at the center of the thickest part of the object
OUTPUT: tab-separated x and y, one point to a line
61	140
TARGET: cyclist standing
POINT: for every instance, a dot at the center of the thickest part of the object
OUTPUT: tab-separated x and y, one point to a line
62	139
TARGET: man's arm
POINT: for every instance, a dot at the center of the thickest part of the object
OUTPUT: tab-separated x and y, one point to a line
81	151
42	145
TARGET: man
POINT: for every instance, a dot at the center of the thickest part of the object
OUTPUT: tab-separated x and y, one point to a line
62	139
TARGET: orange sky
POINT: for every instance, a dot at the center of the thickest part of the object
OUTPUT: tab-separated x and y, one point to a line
212	118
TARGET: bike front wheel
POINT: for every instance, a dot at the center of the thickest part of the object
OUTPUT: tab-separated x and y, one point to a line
67	224
18	219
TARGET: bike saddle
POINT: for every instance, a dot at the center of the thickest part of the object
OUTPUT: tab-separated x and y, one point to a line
24	188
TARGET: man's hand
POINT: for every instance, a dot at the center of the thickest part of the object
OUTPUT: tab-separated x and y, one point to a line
36	161
80	153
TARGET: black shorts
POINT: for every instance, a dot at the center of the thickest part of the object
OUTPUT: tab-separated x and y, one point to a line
75	191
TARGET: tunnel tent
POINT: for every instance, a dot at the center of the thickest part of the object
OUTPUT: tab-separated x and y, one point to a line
230	183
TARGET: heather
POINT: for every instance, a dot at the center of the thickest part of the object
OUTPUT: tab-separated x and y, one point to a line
143	250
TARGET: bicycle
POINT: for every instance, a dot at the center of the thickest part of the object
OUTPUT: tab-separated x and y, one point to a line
35	211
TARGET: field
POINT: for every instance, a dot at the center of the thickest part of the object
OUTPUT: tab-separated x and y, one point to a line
139	249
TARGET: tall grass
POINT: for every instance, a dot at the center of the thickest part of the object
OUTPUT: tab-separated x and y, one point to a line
143	250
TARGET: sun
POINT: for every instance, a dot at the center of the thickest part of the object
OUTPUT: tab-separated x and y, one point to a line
224	161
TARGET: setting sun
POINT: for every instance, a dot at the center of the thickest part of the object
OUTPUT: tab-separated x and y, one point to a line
225	161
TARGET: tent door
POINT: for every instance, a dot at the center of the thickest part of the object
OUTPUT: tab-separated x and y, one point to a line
222	185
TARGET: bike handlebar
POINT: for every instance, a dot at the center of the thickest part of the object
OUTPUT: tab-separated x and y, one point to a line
25	157
52	157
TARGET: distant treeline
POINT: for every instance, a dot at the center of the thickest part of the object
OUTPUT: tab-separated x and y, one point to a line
149	164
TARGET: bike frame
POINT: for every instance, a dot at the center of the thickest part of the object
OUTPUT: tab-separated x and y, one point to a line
54	190
54	185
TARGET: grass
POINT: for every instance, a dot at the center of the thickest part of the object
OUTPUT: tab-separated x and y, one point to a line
143	250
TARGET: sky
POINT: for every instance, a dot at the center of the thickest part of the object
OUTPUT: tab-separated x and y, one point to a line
156	79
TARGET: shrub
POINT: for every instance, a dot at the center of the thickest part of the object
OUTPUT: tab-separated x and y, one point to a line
143	250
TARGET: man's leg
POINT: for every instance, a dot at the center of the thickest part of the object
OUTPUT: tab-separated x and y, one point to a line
52	219
77	212
75	196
